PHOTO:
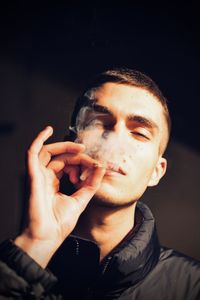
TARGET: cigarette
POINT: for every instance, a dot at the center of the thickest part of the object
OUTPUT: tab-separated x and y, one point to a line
85	174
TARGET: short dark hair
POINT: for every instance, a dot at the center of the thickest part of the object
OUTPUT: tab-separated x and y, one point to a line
127	77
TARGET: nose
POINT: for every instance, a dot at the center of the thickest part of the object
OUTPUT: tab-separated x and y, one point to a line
118	130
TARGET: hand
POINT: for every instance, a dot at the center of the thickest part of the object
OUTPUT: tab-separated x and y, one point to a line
53	215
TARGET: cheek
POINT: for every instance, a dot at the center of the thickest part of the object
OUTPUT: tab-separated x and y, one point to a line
142	159
135	153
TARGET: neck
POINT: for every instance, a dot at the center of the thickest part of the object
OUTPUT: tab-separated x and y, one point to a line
105	226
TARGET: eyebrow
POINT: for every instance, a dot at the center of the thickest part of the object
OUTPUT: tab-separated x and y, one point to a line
99	108
143	121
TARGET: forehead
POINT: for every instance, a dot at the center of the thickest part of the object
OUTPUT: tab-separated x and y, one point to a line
124	101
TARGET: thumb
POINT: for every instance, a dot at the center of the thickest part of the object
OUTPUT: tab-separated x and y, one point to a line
86	192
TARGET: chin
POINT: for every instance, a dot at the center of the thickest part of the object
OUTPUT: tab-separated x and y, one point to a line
109	197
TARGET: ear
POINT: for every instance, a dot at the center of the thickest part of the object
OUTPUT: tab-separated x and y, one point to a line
158	172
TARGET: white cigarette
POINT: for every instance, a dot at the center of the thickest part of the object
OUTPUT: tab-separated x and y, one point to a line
85	174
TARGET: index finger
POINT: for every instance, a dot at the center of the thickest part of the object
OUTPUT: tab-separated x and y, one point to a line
59	162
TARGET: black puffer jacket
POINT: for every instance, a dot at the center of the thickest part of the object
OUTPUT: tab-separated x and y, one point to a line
137	269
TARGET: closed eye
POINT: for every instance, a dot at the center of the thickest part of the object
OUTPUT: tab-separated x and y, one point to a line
140	135
100	119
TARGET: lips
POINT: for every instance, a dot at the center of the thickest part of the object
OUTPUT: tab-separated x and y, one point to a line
112	167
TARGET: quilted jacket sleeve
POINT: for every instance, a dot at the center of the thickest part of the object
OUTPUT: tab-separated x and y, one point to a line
21	277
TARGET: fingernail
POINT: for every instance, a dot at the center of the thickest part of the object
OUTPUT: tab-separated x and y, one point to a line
49	130
97	165
48	127
82	145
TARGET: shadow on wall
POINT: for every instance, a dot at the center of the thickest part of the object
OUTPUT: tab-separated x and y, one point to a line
34	102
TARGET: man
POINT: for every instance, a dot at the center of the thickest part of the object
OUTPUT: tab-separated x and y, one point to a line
98	241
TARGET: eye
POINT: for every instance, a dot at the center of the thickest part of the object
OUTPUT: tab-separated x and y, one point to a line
101	120
140	135
93	122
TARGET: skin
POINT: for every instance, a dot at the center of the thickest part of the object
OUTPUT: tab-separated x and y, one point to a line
53	215
110	214
139	155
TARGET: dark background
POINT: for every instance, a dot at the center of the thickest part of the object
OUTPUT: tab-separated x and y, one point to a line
48	53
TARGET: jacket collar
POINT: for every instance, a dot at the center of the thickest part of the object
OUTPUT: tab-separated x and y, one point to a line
126	265
135	257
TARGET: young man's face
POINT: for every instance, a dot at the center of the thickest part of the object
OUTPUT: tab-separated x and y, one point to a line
124	130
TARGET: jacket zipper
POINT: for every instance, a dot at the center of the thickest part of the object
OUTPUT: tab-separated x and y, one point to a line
105	265
90	291
77	247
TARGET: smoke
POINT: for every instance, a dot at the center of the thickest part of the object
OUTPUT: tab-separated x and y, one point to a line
101	143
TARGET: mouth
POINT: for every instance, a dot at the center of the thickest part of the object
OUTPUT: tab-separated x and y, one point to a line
112	168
